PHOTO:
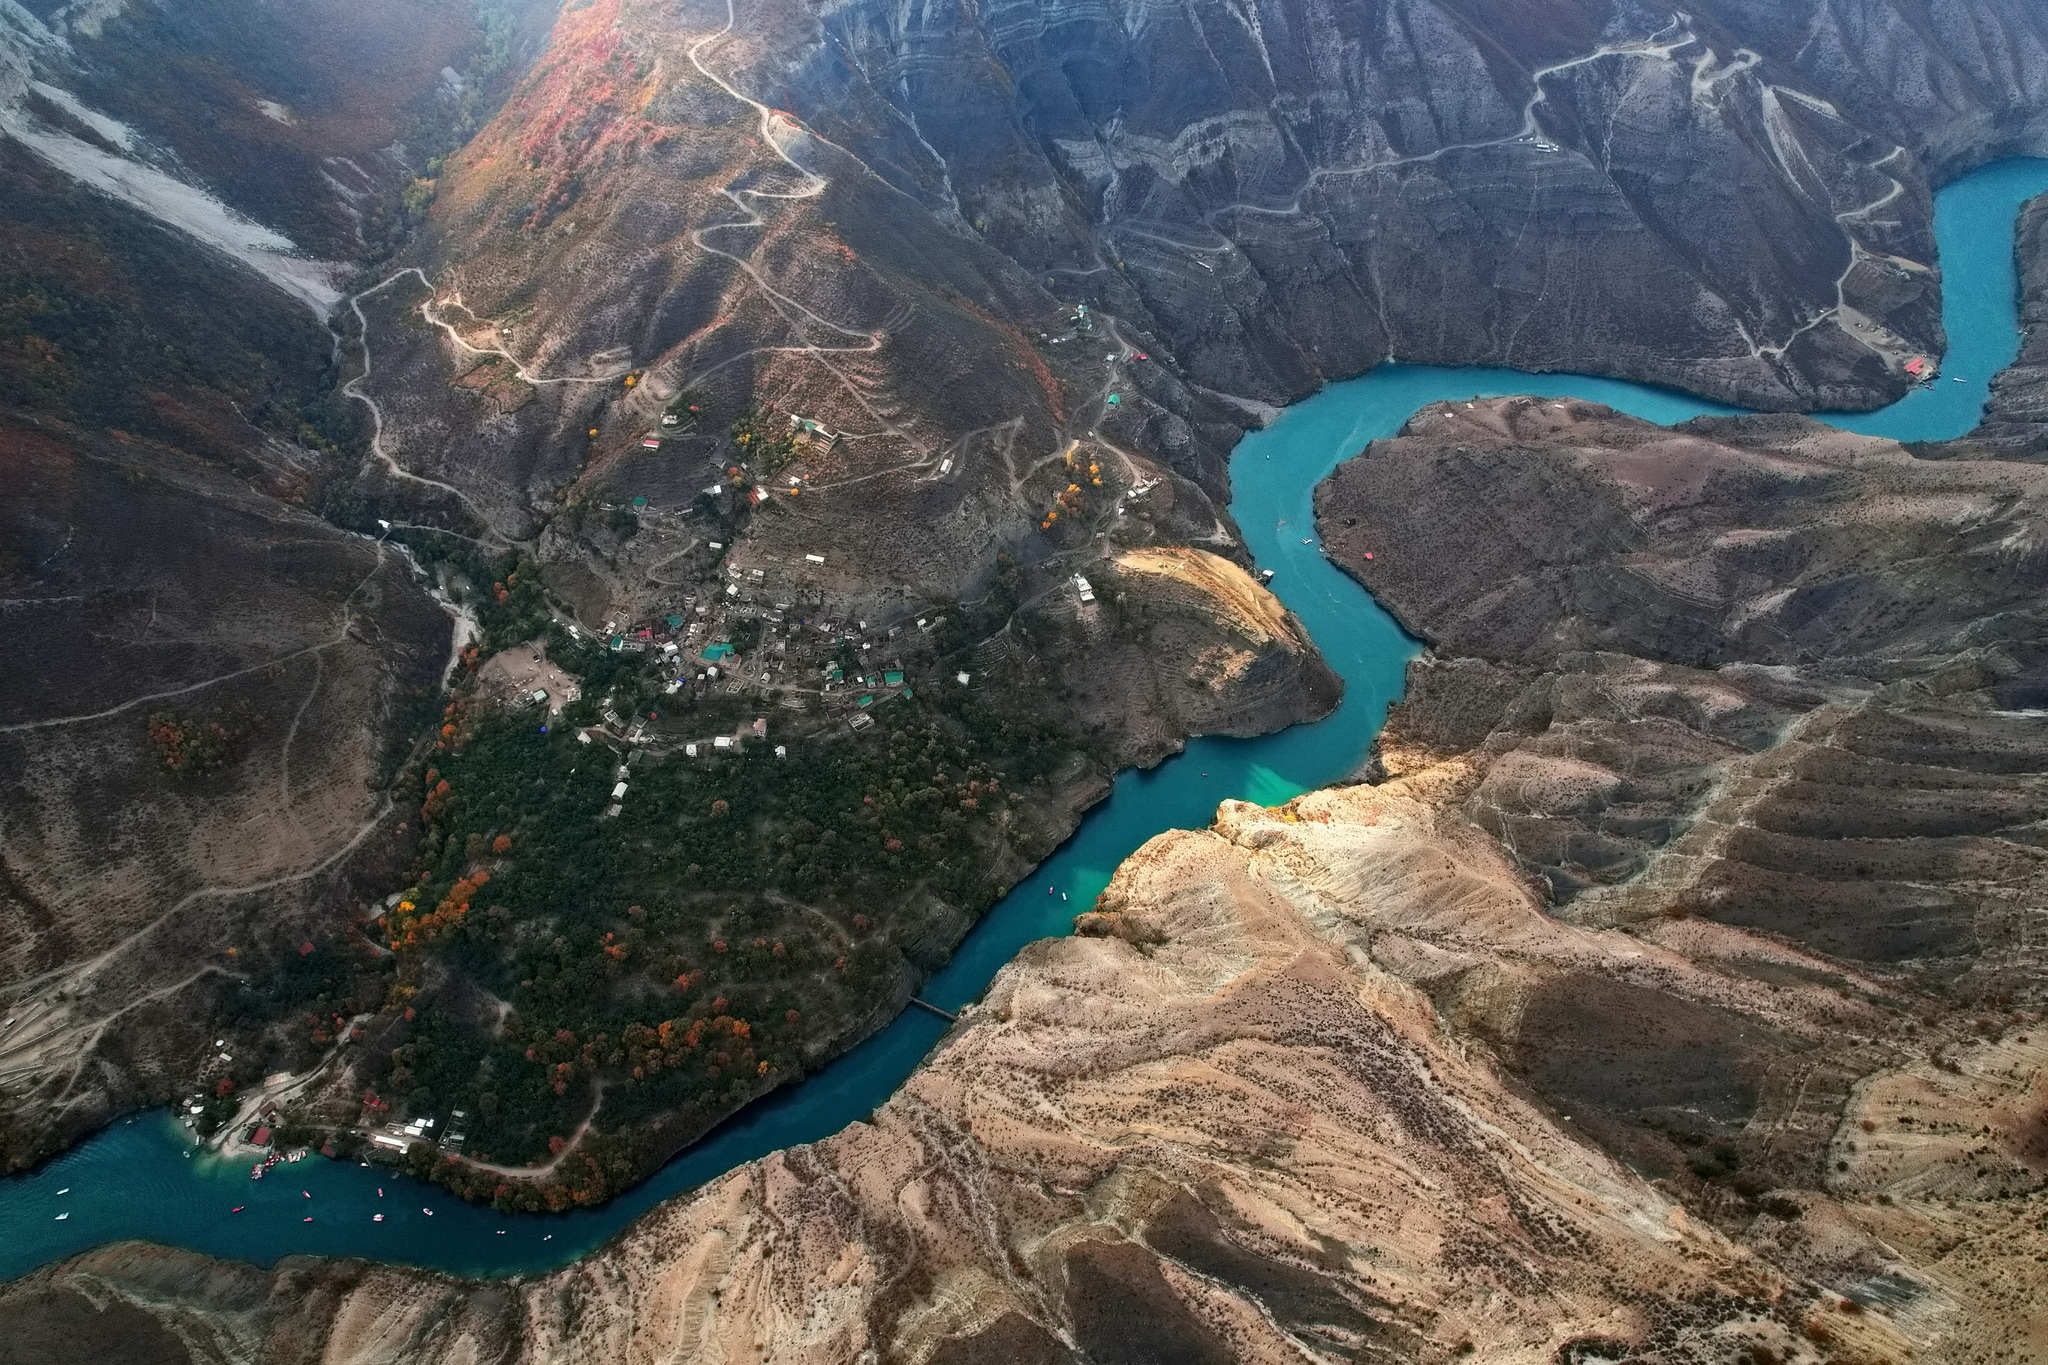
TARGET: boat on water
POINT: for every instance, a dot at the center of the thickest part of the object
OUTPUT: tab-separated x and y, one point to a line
65	1190
376	1217
256	1171
238	1208
1957	379
62	1216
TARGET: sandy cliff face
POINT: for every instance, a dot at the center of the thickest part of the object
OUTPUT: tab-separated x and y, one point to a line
1258	1110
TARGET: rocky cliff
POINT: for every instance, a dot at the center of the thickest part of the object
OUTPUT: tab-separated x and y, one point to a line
2015	422
999	288
1290	194
1669	993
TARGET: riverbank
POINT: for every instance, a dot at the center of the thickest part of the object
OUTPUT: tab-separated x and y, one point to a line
135	1182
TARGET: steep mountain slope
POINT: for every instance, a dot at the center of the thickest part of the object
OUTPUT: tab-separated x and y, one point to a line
2015	422
215	683
196	753
1720	197
831	344
883	219
1670	994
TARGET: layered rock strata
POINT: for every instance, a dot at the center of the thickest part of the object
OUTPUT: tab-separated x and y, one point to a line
1669	995
2015	424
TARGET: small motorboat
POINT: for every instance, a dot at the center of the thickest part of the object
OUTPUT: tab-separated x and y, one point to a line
62	1216
376	1217
428	1212
238	1208
256	1171
65	1190
1957	379
306	1220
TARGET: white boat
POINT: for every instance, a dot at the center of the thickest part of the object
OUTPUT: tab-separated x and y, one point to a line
65	1190
62	1216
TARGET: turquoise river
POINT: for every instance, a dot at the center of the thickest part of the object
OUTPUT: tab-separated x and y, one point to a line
141	1179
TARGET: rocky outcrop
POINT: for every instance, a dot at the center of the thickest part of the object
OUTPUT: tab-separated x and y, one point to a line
2015	425
1326	1080
1289	196
267	135
884	219
1182	642
1241	1138
887	221
1669	995
1750	685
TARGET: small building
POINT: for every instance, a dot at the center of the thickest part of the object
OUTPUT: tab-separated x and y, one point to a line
722	742
619	792
893	678
814	559
1082	587
715	653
